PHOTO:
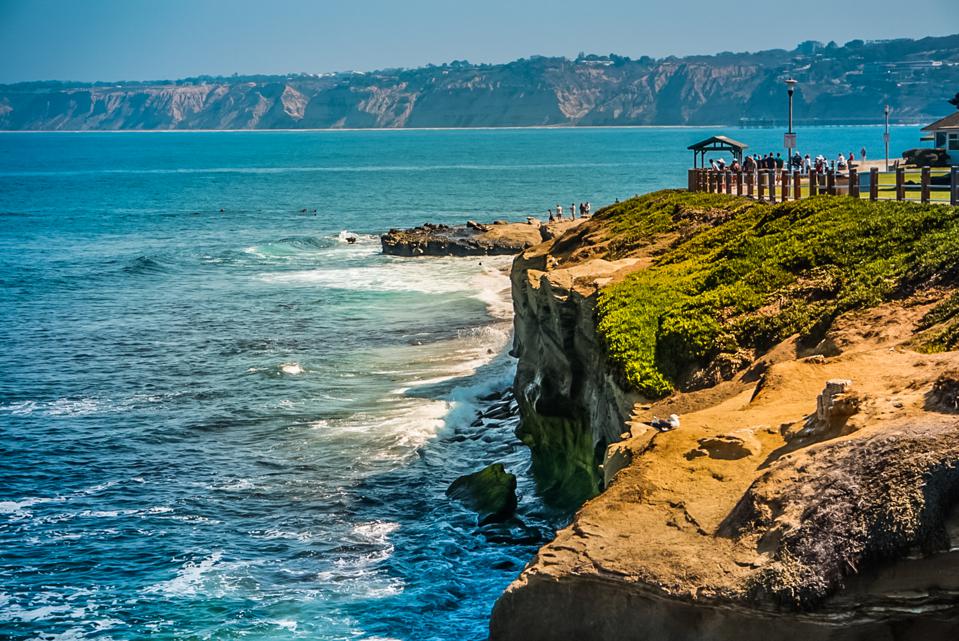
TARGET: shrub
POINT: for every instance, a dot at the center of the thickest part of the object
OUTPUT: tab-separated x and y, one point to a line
746	275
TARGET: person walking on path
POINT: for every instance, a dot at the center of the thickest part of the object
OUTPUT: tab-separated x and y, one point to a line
862	154
572	210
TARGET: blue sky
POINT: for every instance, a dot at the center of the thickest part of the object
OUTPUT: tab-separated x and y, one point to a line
137	39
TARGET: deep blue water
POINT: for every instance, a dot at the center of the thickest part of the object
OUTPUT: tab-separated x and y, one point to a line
218	420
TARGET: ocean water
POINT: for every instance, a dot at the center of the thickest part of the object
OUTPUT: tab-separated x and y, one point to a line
219	420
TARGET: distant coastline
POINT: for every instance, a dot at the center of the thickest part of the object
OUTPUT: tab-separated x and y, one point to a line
848	84
411	129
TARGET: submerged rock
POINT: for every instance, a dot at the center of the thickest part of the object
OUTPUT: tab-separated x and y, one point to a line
491	493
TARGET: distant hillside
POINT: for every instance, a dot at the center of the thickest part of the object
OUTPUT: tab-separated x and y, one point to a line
838	84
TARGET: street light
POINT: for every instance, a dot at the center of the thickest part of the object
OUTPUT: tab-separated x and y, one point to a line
790	136
885	137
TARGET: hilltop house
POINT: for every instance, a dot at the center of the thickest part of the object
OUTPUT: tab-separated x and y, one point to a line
945	134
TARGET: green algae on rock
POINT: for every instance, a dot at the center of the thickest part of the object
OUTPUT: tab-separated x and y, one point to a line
491	493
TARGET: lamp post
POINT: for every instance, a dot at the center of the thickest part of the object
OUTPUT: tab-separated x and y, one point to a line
790	136
885	136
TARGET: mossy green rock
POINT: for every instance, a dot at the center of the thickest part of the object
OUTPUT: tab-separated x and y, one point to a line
491	493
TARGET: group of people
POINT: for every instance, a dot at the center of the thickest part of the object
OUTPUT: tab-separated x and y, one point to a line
797	162
584	209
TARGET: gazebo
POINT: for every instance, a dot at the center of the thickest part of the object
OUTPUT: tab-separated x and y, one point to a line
716	143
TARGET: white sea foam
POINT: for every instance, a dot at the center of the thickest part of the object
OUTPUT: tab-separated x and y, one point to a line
236	485
73	407
286	624
375	531
22	408
274	533
22	507
293	369
210	576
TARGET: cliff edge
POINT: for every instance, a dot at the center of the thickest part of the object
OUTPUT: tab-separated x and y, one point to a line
811	489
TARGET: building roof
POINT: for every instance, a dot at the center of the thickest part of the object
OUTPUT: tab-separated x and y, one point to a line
718	143
949	122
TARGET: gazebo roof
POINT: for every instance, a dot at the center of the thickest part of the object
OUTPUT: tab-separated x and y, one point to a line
718	143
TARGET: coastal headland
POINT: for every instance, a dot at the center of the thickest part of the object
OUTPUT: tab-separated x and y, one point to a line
810	491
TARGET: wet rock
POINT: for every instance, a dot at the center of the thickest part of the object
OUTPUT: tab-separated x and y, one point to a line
491	493
471	239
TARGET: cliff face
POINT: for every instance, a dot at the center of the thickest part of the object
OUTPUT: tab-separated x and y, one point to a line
571	401
838	84
811	490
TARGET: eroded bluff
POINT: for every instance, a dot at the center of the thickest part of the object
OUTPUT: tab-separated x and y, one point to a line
810	492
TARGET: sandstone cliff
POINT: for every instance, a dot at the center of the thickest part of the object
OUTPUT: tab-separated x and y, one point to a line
782	507
847	83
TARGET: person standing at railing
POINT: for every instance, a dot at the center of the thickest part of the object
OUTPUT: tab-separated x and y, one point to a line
806	165
749	165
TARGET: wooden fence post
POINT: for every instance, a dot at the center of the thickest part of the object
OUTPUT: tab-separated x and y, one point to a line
691	180
831	182
784	177
813	183
854	182
761	185
797	185
954	187
750	181
729	181
772	185
874	183
924	182
739	183
900	183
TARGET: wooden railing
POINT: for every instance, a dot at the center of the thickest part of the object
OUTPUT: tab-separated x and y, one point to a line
927	185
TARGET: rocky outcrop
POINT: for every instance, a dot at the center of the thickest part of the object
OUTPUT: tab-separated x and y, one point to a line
811	493
491	493
471	239
725	529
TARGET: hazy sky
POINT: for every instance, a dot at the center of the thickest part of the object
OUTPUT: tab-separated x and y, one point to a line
162	39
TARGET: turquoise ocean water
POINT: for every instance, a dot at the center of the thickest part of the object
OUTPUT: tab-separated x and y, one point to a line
219	420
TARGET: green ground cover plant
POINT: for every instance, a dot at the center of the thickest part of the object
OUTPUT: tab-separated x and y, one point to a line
738	275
